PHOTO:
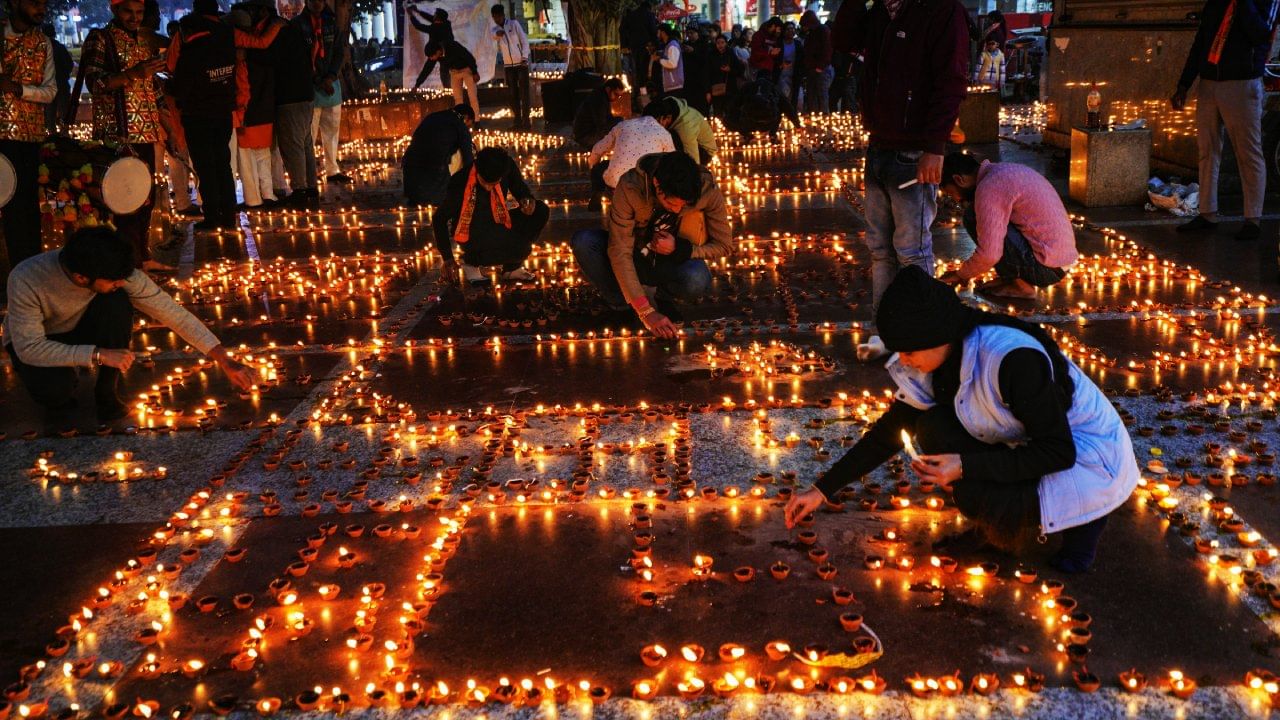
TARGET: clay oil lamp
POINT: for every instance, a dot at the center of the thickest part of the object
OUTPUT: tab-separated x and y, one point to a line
731	652
207	603
223	705
984	684
814	653
692	653
1086	681
726	685
779	570
1025	575
1132	681
800	685
744	574
904	563
777	650
1180	685
244	662
645	689
851	622
807	537
702	566
921	686
873	562
1051	588
1028	680
871	683
115	711
818	555
653	655
826	571
691	687
864	645
267	706
242	601
648	598
842	596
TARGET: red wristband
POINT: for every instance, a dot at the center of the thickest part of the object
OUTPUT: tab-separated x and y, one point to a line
640	303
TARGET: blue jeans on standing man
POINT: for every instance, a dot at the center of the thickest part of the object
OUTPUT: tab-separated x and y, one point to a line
687	281
817	89
898	219
1019	260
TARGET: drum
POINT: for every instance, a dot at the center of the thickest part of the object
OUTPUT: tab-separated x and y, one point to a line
8	181
86	182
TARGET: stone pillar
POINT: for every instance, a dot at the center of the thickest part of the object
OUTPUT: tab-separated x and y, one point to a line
389	20
1109	167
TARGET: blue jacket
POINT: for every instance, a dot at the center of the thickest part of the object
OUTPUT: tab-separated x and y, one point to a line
1245	52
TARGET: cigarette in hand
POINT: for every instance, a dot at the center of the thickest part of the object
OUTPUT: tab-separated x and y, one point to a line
908	184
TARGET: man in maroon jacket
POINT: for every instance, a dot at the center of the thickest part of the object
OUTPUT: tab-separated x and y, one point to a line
915	76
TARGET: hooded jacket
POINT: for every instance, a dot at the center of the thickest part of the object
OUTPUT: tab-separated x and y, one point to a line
922	56
703	232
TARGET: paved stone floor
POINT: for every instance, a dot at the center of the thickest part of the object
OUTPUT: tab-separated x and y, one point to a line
485	502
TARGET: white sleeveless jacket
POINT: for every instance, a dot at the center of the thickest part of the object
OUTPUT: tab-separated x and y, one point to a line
1105	472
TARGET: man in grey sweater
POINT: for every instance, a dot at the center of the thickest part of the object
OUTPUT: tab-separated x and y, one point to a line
73	307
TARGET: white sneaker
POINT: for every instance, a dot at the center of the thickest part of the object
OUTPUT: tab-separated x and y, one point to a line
872	349
519	275
472	274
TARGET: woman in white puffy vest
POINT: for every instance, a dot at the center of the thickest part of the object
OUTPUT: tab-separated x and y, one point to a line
1027	443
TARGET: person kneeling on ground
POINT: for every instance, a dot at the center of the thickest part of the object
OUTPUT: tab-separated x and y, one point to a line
667	219
759	107
477	215
595	117
1017	221
438	139
625	144
689	129
73	307
1027	443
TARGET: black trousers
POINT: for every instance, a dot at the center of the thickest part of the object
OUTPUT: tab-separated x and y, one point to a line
106	323
508	248
1010	509
136	227
599	188
424	185
517	78
209	140
21	217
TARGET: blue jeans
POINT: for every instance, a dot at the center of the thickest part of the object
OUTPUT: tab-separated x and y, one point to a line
898	220
1018	261
687	281
816	90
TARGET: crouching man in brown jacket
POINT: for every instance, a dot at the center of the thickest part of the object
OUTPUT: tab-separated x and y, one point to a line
666	221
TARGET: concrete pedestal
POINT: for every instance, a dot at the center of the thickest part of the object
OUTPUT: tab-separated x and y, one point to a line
980	118
1109	167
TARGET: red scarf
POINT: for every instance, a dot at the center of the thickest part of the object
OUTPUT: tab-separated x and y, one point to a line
497	204
1220	39
317	36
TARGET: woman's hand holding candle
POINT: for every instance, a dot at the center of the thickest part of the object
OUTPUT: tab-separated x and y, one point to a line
941	469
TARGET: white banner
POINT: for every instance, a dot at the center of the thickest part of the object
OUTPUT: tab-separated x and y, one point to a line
471	28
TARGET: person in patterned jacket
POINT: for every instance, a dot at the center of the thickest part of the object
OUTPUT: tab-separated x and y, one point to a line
27	85
120	70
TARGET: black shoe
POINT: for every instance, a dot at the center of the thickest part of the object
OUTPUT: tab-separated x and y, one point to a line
1198	224
340	178
1249	231
111	410
58	420
269	205
193	211
668	308
302	199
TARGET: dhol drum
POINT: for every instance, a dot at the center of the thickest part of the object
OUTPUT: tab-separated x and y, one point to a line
86	182
8	181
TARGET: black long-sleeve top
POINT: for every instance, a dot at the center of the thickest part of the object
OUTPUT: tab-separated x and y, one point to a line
436	139
482	220
1026	387
456	58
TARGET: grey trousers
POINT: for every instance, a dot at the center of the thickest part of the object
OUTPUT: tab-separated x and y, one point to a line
1234	106
293	136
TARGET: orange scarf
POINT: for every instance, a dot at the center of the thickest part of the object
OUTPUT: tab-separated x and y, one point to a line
497	204
1220	39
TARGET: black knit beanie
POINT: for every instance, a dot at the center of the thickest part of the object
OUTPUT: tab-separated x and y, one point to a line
918	312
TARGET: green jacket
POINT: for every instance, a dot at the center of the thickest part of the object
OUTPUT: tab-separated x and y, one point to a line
693	131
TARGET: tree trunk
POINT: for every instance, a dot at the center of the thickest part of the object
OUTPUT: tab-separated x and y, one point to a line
593	26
